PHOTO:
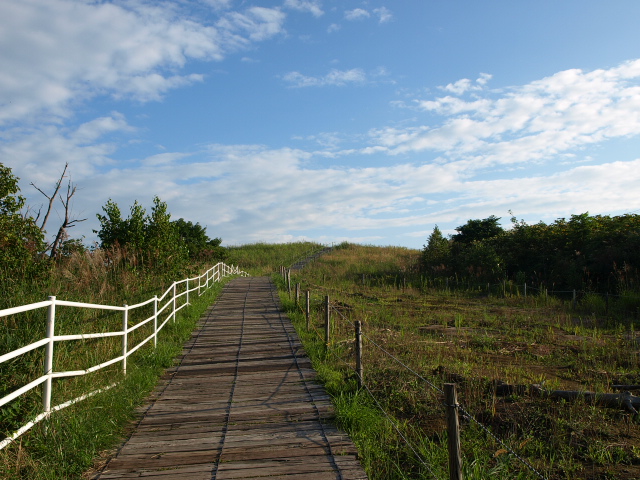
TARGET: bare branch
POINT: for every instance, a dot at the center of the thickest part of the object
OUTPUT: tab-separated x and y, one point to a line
67	223
52	197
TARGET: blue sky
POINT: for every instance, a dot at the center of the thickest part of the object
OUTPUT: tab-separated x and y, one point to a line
368	121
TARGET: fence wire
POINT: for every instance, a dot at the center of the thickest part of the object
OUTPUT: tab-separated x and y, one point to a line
464	411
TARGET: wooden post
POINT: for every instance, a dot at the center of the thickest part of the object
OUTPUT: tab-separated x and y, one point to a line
308	308
546	296
289	281
453	429
297	294
359	368
327	320
573	302
525	290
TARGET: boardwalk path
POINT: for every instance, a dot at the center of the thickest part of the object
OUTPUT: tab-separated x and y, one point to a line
240	404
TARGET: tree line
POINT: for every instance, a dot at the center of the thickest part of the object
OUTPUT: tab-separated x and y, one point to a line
598	253
150	240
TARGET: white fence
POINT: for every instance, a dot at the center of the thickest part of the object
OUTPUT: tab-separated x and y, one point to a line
165	308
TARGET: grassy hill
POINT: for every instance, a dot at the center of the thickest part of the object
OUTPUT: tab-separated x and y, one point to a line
494	345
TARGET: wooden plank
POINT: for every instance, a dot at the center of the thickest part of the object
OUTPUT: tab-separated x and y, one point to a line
240	403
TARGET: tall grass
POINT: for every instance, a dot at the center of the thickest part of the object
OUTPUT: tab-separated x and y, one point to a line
65	445
265	258
475	340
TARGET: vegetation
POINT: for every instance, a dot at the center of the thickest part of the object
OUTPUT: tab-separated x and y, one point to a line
139	257
157	241
593	253
481	341
264	258
21	240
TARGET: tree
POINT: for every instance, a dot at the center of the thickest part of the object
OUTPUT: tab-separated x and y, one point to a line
475	230
436	253
193	236
162	239
21	240
68	222
154	237
112	228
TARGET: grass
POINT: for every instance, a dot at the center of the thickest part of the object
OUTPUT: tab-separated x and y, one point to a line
73	440
264	258
69	442
476	340
472	337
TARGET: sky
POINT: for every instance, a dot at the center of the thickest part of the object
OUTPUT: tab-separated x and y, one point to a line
325	120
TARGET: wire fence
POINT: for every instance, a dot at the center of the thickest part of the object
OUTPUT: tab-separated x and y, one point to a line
334	352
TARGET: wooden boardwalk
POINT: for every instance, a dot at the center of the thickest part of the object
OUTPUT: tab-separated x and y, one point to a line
241	403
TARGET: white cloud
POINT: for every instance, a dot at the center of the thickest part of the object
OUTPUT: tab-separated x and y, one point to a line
95	129
255	24
312	6
384	14
333	78
334	27
56	53
356	14
565	111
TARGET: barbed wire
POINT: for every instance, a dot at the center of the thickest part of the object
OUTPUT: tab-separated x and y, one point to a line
388	417
465	412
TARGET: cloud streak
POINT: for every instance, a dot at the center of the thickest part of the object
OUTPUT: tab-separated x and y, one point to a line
566	111
51	61
336	78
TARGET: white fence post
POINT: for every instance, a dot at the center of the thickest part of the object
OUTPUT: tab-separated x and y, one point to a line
174	302
48	362
155	321
187	291
125	337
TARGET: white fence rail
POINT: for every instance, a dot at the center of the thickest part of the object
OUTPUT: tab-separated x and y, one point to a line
165	308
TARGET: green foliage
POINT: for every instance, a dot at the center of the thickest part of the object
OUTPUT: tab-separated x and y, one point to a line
21	241
157	240
478	230
597	253
436	253
198	244
161	238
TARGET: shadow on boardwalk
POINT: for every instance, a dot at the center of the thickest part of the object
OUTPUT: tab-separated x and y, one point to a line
241	403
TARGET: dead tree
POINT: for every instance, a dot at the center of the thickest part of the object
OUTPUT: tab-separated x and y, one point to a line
68	222
51	198
624	400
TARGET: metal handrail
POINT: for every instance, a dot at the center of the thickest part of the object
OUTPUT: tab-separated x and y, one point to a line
197	284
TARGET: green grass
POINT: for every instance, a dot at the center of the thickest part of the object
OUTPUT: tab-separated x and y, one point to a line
265	258
70	441
473	339
75	437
